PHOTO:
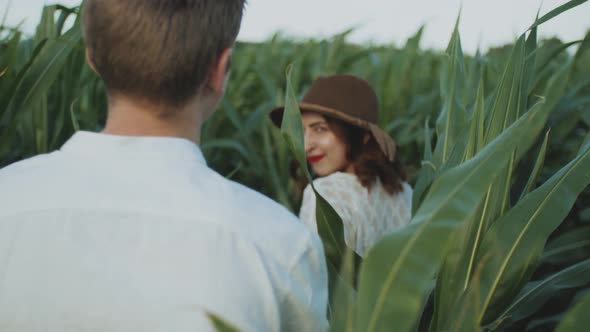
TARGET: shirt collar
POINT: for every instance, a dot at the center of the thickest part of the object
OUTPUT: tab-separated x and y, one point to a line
153	148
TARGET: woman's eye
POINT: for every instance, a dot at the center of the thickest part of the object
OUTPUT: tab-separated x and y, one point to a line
320	129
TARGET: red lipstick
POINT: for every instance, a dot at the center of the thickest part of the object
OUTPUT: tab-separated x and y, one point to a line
314	159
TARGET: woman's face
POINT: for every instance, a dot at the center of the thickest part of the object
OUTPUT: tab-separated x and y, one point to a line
325	147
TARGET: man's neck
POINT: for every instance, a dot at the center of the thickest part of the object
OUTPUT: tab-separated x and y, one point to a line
130	118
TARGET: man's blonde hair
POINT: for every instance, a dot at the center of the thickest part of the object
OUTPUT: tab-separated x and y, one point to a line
158	50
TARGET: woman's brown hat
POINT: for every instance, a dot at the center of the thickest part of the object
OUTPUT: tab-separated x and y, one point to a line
346	98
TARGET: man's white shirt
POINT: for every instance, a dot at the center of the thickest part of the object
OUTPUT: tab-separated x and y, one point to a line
115	233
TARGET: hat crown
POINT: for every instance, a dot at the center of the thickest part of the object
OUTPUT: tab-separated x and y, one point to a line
346	94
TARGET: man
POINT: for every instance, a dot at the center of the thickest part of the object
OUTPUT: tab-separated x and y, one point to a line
128	229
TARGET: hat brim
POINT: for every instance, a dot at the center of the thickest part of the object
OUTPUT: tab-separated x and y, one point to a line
385	142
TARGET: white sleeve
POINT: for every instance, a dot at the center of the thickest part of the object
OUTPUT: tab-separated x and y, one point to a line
304	306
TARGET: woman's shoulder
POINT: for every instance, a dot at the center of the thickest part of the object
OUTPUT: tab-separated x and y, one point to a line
335	182
407	189
337	179
405	196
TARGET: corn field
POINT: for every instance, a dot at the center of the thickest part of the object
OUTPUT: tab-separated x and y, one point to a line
497	146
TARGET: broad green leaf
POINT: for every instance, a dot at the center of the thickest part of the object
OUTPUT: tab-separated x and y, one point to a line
46	27
518	238
224	143
464	318
427	142
544	323
42	72
411	256
536	169
476	138
537	293
551	56
584	47
459	265
65	13
577	319
291	126
7	112
475	73
330	229
272	163
505	198
573	245
504	109
567	6
452	117
344	298
427	173
500	195
231	113
508	100
529	69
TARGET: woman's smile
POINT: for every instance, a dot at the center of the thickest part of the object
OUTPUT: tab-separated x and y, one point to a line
315	159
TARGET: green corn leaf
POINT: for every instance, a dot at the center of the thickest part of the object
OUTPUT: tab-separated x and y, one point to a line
505	198
65	13
536	169
291	126
330	229
573	245
475	142
7	113
220	324
529	69
504	109
567	6
411	256
517	239
459	264
344	299
464	318
577	319
452	117
42	73
224	143
537	293
427	172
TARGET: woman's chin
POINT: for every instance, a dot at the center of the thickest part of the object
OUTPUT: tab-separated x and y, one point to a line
321	172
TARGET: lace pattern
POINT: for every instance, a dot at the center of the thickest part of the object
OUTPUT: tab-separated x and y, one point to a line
367	215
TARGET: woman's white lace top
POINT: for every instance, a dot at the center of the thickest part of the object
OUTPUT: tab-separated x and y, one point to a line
367	215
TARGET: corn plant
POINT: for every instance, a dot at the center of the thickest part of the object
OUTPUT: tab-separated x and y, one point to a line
496	145
471	247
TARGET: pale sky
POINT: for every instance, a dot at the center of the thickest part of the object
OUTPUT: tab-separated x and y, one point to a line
483	23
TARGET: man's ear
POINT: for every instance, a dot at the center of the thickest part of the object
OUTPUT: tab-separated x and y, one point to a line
217	75
90	62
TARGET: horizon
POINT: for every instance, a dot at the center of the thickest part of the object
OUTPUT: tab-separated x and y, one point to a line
393	25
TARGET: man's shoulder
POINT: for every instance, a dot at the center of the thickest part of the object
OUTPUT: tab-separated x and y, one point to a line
24	167
25	182
267	222
257	207
22	174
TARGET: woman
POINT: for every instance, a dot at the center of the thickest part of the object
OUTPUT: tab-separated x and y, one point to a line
353	159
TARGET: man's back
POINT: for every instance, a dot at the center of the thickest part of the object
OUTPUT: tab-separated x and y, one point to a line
137	234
